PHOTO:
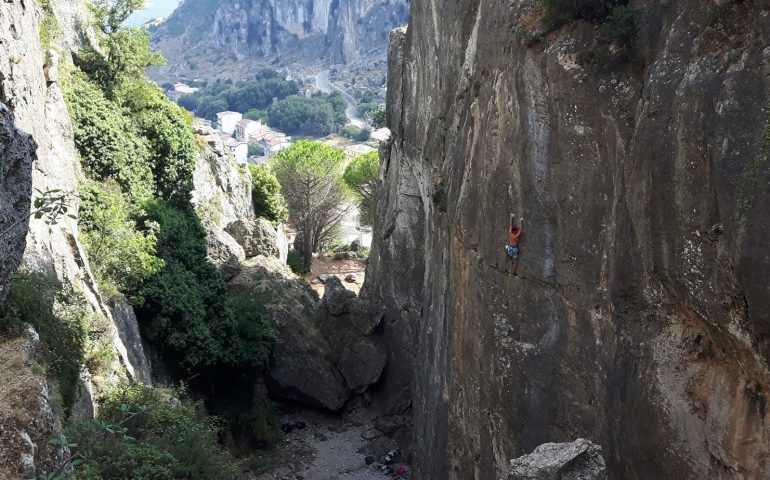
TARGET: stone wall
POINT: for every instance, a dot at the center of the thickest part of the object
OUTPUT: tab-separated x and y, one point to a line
638	318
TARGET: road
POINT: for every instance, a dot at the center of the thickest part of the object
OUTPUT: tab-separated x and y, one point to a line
326	86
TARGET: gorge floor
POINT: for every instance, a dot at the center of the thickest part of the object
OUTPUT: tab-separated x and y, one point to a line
328	448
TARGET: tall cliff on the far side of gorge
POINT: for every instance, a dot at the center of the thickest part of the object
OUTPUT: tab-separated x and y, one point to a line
307	32
639	315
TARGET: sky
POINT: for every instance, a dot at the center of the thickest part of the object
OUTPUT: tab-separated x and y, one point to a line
153	9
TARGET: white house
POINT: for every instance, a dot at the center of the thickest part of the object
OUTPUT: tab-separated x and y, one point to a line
275	142
179	90
228	120
239	149
245	128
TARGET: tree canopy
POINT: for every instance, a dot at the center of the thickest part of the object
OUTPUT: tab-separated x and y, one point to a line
266	194
362	176
310	174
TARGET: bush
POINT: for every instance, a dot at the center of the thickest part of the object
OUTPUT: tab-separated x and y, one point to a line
122	254
296	262
109	144
357	134
166	437
620	26
59	317
186	311
559	12
266	194
255	150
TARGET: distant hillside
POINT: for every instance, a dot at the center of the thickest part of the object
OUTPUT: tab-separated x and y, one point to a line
207	38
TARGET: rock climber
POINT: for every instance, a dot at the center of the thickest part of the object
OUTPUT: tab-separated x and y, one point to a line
512	249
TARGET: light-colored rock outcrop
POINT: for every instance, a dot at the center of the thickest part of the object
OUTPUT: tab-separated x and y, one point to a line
578	460
222	198
319	31
639	316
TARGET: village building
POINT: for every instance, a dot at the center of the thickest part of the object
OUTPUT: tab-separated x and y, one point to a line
275	142
238	148
357	149
245	128
179	90
228	120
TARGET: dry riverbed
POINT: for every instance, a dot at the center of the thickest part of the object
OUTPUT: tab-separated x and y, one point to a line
330	448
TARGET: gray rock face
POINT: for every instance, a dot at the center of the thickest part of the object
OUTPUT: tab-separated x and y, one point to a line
222	198
258	237
335	31
639	314
32	101
301	368
127	329
578	460
17	151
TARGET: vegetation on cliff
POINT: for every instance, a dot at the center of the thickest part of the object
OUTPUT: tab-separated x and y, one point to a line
142	236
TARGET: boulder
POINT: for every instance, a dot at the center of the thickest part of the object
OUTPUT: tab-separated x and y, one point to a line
361	365
224	251
578	460
257	237
343	316
301	368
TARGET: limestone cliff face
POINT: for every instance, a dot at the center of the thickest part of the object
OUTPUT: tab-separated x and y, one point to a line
222	198
333	30
30	92
639	316
17	151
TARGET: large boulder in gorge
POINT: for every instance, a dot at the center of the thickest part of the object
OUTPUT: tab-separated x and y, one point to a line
17	151
349	322
257	237
361	365
578	460
341	312
301	368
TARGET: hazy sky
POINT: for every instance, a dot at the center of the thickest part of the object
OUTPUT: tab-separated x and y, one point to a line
153	9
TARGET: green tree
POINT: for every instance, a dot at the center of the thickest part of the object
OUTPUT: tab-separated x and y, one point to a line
187	310
122	255
379	119
255	150
266	194
109	143
362	176
302	116
310	174
111	14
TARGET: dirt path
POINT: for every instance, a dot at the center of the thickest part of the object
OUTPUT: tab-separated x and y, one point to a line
340	269
328	448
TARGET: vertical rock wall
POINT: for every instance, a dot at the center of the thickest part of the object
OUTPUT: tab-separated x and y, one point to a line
638	318
17	151
30	89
